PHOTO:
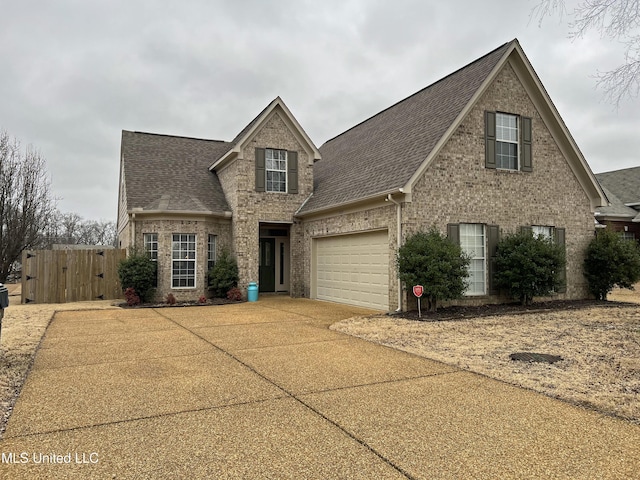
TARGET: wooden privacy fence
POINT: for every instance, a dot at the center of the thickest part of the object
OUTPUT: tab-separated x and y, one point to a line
60	276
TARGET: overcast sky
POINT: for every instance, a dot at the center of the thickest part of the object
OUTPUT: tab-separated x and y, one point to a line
75	73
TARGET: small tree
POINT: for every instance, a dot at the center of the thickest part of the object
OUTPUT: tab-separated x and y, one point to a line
528	266
138	271
223	276
431	260
611	261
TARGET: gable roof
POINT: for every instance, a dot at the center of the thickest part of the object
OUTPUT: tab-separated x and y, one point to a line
246	133
170	174
625	184
387	152
623	190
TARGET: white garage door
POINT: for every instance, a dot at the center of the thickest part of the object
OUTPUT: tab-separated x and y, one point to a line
354	269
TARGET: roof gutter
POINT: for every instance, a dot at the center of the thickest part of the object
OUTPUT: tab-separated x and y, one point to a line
210	213
348	203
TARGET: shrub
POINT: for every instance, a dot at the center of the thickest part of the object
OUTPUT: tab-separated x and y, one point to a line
131	296
224	274
138	271
171	299
234	294
611	261
431	260
528	266
202	299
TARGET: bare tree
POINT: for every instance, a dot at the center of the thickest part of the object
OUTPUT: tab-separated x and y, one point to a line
26	203
72	229
613	19
97	232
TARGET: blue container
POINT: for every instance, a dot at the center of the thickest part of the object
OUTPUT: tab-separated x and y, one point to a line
252	292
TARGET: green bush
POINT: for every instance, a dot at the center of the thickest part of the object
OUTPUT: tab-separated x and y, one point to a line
528	266
611	261
224	274
138	271
431	260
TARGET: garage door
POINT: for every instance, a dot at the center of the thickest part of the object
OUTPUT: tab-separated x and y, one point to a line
353	269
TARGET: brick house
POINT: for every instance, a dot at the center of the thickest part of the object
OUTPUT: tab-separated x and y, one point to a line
622	188
480	153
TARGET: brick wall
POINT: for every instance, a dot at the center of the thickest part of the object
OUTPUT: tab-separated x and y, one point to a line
165	228
458	188
250	208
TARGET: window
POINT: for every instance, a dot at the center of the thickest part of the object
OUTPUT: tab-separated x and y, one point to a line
183	260
629	236
472	241
544	232
211	252
276	168
151	245
506	141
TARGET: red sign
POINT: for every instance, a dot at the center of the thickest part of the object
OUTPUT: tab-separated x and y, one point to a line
418	290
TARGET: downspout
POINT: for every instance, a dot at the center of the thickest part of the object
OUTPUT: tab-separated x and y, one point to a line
398	241
132	240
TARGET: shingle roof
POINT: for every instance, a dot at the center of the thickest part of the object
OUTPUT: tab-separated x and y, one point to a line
624	184
382	153
168	173
617	207
622	188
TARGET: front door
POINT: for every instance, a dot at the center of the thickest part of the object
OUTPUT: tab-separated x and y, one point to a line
267	273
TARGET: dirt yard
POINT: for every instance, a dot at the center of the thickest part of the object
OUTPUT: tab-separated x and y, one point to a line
22	329
599	345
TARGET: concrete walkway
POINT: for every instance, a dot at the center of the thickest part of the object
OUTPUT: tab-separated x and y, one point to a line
265	390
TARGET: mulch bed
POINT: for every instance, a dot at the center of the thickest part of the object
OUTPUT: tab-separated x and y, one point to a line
193	303
465	312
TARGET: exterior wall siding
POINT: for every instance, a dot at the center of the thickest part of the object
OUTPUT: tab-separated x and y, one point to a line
165	228
123	216
621	226
457	188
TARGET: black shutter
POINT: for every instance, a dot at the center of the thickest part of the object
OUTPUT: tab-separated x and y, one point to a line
490	139
453	233
260	170
292	172
559	236
527	160
493	237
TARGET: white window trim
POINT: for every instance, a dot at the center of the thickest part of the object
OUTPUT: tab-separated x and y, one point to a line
215	249
267	170
517	142
194	260
484	259
628	236
146	243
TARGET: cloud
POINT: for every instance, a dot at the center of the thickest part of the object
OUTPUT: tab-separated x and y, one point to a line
74	74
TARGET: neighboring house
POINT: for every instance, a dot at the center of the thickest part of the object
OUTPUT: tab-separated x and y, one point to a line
622	188
480	153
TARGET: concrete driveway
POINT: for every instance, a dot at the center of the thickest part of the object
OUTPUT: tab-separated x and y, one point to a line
266	390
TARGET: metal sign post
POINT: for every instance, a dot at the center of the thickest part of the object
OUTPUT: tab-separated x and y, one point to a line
418	290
